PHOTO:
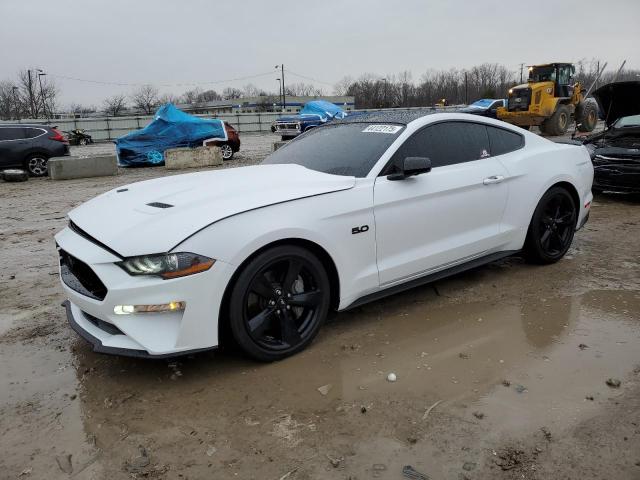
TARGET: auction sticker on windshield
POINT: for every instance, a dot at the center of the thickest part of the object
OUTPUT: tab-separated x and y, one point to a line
382	129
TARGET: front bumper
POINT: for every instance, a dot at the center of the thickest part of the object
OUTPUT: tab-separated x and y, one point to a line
82	326
153	335
287	130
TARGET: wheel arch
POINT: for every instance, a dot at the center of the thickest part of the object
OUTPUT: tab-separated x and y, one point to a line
34	151
322	254
573	191
564	183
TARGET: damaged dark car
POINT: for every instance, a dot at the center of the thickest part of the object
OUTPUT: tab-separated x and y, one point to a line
616	150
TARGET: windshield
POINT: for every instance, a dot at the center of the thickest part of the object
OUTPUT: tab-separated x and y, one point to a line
542	74
350	149
630	121
484	103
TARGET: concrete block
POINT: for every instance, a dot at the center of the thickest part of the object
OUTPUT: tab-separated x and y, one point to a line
65	168
277	145
177	158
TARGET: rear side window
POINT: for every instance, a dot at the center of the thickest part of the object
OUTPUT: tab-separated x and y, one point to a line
447	143
32	132
11	133
503	141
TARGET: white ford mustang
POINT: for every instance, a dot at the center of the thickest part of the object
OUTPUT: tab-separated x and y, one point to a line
347	213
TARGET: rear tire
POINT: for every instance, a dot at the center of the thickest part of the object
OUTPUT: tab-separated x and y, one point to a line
226	151
279	302
586	116
558	123
552	227
36	165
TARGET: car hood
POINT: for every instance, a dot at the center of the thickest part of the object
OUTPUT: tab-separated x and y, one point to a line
156	215
297	118
619	99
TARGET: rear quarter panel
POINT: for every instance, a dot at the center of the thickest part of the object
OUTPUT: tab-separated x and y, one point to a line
532	171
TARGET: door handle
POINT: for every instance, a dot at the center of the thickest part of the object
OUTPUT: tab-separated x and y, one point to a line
493	179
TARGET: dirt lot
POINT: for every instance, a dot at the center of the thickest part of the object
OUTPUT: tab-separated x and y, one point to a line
501	372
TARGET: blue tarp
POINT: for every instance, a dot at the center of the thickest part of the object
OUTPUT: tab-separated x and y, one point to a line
325	110
171	128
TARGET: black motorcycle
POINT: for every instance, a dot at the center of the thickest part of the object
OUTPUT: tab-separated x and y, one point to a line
79	137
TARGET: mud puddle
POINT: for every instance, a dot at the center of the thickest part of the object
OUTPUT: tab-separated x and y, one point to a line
507	368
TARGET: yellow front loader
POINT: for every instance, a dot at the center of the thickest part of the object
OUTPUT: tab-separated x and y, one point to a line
551	100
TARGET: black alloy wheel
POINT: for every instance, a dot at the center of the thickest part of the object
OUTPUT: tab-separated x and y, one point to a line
278	303
552	227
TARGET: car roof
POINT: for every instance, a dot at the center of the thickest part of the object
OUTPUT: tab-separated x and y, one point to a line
402	117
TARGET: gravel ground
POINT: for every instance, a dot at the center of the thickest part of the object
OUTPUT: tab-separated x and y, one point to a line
509	371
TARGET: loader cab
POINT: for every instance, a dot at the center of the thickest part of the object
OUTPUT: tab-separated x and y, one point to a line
561	74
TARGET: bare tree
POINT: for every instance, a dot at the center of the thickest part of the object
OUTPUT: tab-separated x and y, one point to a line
301	89
114	105
250	90
197	95
342	86
37	95
230	93
209	96
10	106
192	96
79	110
168	98
145	99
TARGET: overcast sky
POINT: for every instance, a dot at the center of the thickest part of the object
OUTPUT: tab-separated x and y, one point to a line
187	41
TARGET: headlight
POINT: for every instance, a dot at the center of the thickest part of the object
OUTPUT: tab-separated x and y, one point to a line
169	265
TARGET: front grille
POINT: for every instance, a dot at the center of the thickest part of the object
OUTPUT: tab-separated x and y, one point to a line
78	276
519	100
287	126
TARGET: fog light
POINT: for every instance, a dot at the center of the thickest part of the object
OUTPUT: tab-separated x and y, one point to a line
163	307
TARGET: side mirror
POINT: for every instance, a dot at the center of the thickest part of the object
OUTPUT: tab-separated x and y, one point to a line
409	167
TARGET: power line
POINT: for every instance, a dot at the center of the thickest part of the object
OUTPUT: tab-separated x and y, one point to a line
182	84
309	78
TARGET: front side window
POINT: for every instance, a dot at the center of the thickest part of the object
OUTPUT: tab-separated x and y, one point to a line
447	143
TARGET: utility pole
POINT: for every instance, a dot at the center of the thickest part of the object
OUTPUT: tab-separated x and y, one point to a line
31	103
597	74
280	93
44	101
284	92
284	95
466	89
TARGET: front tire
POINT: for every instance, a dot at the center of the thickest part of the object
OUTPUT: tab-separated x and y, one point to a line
279	302
558	123
552	227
